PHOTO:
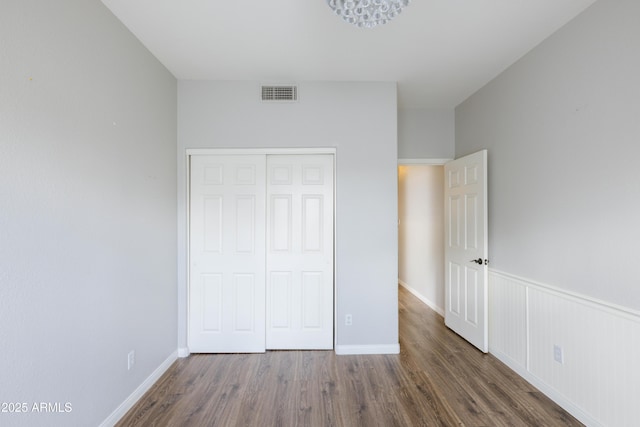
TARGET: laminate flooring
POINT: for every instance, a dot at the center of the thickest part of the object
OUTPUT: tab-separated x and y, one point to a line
438	379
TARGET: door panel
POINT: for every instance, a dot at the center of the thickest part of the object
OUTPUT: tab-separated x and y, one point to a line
212	224
279	308
453	294
245	224
281	223
466	294
212	300
244	302
300	254
227	254
312	225
312	309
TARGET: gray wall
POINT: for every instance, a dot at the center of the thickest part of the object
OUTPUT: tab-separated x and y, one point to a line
563	134
426	133
87	210
359	119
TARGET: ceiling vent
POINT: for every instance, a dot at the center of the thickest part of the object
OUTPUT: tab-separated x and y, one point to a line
279	93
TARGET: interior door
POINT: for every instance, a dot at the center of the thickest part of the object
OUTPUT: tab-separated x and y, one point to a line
300	251
227	254
466	258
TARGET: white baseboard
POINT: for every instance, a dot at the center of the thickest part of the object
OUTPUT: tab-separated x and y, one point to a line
368	349
422	298
551	393
139	392
183	352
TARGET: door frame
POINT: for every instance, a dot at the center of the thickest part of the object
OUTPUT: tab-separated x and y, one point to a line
249	151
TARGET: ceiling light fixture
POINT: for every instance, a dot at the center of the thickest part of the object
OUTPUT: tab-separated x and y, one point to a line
367	13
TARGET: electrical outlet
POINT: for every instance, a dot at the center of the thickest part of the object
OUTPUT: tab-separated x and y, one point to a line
558	355
348	320
131	359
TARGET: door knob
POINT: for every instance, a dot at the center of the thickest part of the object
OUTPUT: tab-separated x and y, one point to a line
479	261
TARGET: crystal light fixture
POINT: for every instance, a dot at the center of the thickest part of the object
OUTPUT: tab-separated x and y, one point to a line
367	13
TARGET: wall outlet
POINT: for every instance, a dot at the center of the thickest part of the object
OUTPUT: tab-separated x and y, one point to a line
348	320
131	359
558	355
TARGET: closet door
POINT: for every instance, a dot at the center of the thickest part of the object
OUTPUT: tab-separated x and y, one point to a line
300	251
227	254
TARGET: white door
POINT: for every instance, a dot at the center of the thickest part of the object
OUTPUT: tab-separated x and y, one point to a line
466	295
300	251
227	254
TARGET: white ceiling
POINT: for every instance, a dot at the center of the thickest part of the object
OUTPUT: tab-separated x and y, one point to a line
439	51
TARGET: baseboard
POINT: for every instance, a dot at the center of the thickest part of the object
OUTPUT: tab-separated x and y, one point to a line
183	352
551	393
422	298
139	392
368	349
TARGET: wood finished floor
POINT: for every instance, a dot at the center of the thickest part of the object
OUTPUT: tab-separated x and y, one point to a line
437	380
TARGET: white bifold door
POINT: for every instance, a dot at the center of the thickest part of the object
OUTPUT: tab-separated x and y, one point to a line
260	252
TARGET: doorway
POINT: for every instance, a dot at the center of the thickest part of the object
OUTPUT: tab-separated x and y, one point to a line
421	232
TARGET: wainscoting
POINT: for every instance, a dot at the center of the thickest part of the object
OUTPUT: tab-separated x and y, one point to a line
596	376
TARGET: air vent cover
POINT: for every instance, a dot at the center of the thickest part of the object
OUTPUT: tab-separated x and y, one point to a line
279	93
